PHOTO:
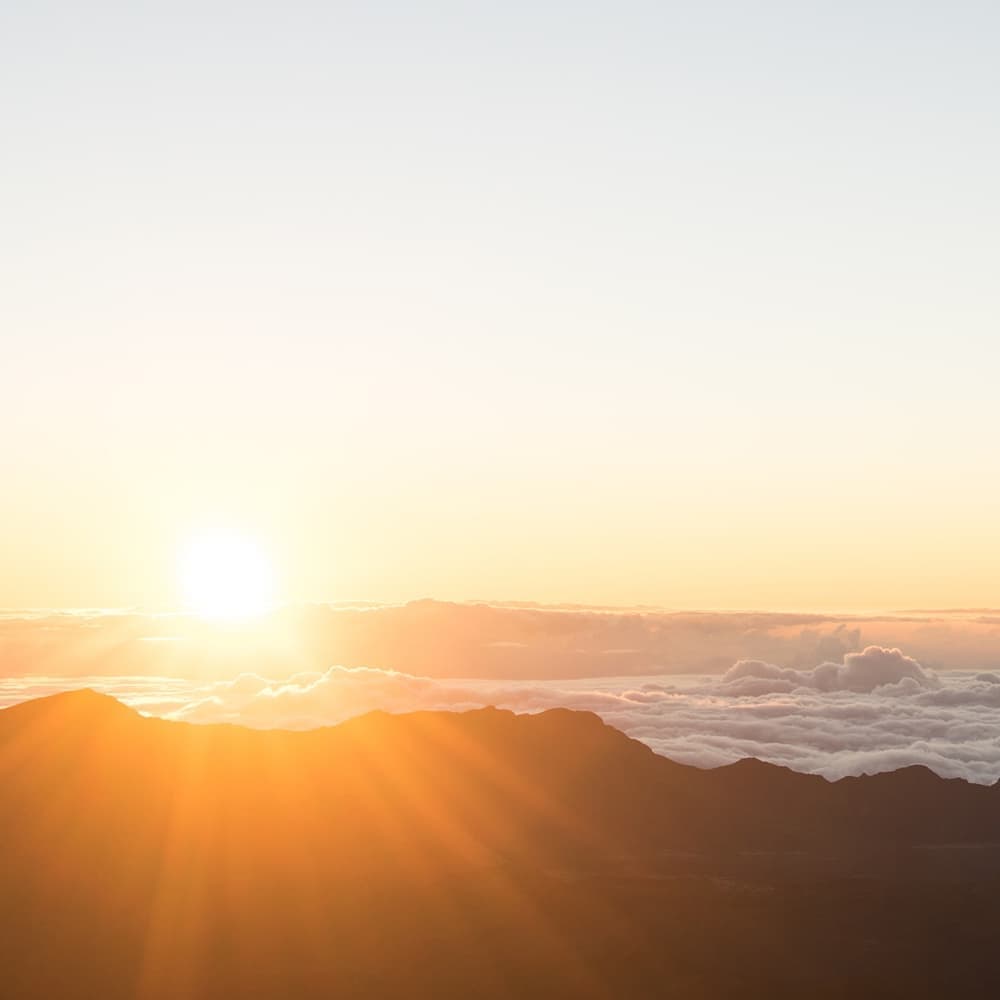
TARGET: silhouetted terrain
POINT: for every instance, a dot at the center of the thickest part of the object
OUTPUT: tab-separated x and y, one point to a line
481	854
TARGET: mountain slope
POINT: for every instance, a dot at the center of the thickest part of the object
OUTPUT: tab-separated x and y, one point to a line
438	854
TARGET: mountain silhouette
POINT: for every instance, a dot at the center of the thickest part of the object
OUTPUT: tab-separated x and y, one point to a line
445	854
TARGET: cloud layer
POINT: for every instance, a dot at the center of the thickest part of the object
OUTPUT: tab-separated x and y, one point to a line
870	711
439	639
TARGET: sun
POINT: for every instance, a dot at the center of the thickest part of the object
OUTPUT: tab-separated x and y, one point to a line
226	576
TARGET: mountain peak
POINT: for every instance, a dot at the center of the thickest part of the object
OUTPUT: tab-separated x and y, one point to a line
82	706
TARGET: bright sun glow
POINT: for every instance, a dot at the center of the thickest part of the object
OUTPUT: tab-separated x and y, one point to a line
226	576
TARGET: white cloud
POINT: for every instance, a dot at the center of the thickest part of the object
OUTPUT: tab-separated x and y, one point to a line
874	667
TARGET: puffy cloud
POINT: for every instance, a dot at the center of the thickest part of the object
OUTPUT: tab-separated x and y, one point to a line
874	667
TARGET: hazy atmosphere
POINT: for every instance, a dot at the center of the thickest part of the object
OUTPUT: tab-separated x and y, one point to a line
499	500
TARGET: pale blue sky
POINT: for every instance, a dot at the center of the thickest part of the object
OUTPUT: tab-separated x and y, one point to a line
548	300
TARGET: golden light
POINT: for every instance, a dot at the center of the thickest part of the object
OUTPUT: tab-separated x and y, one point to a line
226	576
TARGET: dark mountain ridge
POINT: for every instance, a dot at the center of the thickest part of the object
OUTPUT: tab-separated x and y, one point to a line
438	854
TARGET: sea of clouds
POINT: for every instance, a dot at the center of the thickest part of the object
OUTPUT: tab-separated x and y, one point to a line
873	710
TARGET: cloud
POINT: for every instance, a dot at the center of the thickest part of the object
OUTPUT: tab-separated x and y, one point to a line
874	667
440	639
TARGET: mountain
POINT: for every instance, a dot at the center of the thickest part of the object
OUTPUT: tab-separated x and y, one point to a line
479	853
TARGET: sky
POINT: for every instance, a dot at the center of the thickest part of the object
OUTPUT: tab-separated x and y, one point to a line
691	305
